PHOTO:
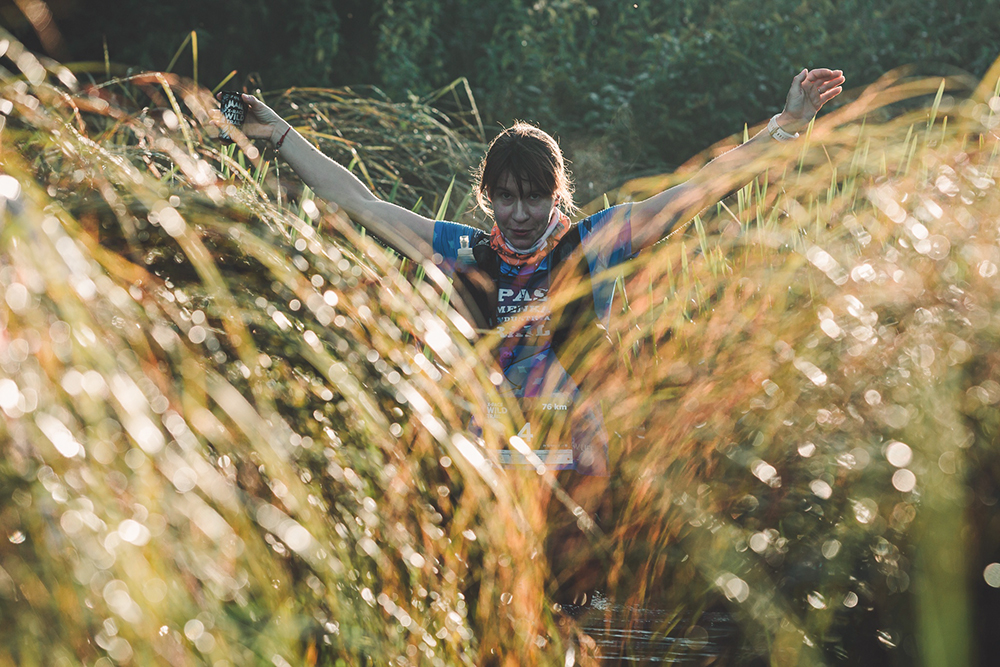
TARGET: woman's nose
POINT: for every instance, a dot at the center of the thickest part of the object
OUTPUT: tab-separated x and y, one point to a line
520	210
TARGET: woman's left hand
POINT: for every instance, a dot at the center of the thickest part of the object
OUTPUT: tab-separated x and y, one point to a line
810	90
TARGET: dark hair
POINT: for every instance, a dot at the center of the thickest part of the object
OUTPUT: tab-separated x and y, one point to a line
529	155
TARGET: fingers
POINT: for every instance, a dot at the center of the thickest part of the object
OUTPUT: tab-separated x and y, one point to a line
258	108
823	73
828	88
830	85
824	83
251	101
830	94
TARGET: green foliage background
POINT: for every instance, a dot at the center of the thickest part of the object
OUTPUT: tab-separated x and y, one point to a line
630	87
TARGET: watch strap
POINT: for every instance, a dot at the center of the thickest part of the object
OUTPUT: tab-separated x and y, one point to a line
779	134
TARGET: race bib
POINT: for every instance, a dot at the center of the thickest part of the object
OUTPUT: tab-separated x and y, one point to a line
545	437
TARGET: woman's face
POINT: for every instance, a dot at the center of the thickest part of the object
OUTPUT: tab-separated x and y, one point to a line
521	217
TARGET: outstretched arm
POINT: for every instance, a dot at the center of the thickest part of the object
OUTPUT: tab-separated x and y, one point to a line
653	218
404	229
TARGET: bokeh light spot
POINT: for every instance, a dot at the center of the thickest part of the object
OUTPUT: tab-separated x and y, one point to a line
898	454
904	480
992	575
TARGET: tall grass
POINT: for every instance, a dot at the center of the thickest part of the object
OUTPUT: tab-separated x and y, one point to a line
823	352
406	153
224	441
236	431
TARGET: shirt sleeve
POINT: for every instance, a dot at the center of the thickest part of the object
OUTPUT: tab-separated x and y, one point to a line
606	237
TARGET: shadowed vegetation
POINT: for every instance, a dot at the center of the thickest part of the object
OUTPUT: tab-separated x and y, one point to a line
629	87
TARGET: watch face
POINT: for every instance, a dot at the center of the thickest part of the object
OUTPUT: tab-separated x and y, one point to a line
233	110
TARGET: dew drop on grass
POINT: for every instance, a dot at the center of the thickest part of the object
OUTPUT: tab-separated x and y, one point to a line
847	460
811	371
184	479
886	638
133	532
759	542
948	463
898	454
10	188
193	629
816	601
697	638
830	328
865	510
992	575
9	394
904	480
733	587
821	489
72	383
830	549
765	472
17	297
154	590
206	642
863	273
861	458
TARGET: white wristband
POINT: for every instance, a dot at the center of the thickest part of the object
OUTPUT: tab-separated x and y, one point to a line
775	130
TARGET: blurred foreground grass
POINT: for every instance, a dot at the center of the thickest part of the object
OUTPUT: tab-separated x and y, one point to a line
235	431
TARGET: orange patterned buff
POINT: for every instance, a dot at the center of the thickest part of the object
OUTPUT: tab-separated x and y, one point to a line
556	230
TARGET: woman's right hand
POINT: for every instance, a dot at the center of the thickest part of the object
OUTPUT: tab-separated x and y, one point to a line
261	121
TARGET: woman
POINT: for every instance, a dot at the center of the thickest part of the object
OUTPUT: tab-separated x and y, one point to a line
522	222
532	248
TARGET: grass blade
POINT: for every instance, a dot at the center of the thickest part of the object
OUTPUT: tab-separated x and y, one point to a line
194	55
935	106
443	208
177	54
223	82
